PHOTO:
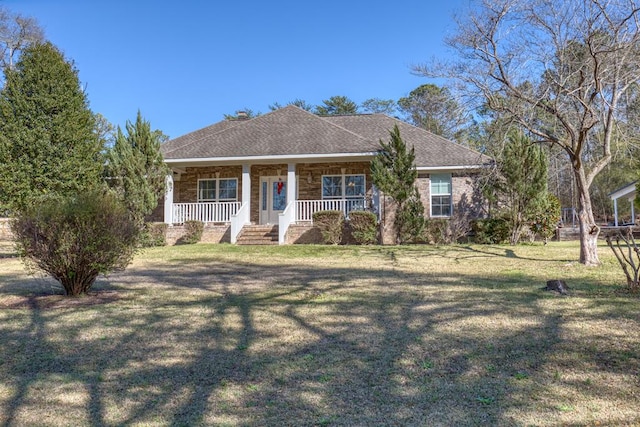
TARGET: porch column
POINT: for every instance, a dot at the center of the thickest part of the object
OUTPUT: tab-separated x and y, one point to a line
168	200
615	212
291	187
246	187
633	213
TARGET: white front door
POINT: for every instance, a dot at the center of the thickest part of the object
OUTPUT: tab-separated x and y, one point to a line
273	198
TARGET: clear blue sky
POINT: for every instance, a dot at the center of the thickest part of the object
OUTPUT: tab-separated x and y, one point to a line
184	64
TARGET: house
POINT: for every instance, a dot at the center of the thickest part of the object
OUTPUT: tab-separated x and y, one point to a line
279	168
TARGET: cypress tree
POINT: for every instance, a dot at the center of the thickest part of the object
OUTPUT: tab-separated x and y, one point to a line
521	184
47	141
394	172
135	167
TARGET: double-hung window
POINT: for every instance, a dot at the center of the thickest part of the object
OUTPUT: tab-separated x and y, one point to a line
440	195
350	188
218	190
343	186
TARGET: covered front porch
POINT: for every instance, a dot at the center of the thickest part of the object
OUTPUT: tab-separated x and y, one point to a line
275	194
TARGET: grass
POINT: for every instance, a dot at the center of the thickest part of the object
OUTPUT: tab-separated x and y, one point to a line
331	336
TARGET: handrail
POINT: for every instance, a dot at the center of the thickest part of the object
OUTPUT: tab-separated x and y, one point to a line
285	219
238	221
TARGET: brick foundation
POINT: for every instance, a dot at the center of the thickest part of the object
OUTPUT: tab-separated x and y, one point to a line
211	234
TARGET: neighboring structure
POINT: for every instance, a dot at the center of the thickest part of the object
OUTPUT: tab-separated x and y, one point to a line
628	192
281	167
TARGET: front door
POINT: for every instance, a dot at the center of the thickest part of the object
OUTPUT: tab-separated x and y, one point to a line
273	198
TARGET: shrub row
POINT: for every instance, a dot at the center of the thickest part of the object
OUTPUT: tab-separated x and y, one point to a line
364	226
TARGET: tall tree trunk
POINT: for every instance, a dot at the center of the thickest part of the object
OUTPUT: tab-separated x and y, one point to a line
589	230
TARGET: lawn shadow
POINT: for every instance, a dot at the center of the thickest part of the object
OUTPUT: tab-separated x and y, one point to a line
295	344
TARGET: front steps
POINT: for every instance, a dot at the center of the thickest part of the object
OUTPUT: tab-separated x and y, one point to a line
258	235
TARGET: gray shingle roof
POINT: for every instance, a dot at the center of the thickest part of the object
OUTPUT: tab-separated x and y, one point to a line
293	131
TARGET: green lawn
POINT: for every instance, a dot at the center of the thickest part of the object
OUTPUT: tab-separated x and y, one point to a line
314	335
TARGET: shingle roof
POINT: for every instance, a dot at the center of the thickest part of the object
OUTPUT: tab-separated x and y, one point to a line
293	131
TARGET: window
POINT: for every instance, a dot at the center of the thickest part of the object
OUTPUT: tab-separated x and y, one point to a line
343	186
218	190
440	194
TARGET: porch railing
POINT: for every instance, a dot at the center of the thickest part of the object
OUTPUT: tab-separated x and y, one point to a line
306	208
205	212
285	219
239	220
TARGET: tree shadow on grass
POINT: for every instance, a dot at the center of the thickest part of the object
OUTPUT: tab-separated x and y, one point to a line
218	343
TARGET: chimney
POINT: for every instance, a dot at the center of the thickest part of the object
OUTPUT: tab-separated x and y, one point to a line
242	115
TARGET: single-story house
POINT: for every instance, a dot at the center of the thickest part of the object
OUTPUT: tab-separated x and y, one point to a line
279	168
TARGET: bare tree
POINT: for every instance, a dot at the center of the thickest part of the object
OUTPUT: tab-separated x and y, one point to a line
558	68
16	32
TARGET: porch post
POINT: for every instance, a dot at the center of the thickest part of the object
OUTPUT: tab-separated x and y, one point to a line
615	212
291	187
246	187
168	200
633	213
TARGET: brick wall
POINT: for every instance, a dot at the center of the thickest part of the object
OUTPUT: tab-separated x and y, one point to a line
466	197
185	190
308	234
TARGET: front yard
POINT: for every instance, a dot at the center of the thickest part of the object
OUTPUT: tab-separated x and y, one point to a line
315	335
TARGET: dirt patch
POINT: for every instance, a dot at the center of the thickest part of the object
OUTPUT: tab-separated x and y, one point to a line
49	302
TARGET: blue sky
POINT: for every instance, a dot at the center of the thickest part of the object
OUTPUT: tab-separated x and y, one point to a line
186	64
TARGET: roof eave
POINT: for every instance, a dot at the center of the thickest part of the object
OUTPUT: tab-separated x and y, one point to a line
195	161
449	168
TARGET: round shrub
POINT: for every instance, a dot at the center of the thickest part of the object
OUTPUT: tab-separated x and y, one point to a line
364	227
491	230
330	224
154	234
74	239
193	230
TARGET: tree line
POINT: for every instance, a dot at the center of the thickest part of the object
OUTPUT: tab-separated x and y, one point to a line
562	77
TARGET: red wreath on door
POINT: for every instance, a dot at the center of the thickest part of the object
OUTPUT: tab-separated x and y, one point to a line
280	186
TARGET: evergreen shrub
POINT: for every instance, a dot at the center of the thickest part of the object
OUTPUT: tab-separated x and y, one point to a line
364	227
330	224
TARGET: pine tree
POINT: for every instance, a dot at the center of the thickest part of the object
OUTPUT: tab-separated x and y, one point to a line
47	141
135	167
394	172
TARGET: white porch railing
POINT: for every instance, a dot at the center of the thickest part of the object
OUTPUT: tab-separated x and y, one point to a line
285	219
205	212
306	208
238	221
